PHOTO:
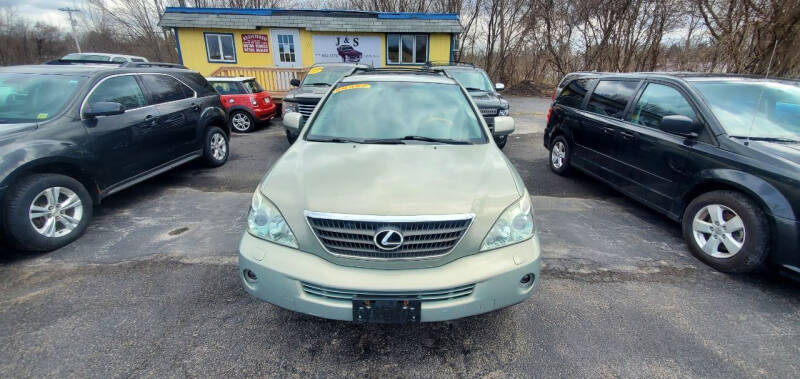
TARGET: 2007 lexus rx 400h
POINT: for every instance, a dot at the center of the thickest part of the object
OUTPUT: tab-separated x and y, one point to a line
393	206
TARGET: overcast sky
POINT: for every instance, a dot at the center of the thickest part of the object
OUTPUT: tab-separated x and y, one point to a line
44	10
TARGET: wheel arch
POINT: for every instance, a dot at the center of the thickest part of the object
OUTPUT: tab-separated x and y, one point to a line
771	201
60	167
214	117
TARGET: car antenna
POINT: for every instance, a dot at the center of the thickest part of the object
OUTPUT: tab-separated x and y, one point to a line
760	95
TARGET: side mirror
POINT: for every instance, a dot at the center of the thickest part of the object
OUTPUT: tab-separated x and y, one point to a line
291	121
295	82
503	126
680	125
103	108
499	86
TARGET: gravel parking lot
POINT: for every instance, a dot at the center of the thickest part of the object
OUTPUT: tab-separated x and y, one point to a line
152	290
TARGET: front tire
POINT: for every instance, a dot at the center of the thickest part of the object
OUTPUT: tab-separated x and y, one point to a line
46	211
501	141
727	231
242	122
560	151
215	150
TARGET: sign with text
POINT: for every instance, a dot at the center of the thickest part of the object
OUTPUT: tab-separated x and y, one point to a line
347	48
255	43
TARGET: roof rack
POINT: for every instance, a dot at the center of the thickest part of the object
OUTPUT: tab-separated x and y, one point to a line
151	64
79	61
430	64
424	70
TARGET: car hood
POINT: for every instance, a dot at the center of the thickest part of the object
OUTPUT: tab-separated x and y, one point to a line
392	180
782	150
488	99
307	92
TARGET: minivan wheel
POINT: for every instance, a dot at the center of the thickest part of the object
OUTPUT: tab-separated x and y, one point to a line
727	231
46	211
559	155
242	122
501	141
215	152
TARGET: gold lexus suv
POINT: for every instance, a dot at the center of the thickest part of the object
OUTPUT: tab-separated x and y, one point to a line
393	206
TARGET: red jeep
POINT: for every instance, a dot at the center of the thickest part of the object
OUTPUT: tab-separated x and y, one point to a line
245	101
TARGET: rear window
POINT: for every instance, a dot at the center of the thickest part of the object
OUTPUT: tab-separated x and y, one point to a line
198	83
610	97
253	86
573	94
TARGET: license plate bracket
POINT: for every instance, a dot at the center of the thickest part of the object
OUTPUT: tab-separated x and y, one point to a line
386	311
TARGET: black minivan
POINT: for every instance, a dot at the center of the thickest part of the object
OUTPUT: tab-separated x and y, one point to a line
719	153
72	134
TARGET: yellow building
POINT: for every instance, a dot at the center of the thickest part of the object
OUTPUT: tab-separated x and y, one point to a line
211	38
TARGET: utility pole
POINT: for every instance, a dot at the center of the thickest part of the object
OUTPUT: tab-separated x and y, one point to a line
73	23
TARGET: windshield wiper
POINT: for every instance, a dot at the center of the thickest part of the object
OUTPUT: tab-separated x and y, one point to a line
318	84
476	89
418	138
335	140
768	139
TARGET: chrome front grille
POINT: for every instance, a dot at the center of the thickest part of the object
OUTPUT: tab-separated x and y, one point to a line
422	236
306	109
488	112
425	296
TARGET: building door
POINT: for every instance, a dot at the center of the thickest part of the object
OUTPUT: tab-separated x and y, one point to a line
286	47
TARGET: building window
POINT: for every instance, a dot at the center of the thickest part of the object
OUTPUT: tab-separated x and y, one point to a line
220	48
406	48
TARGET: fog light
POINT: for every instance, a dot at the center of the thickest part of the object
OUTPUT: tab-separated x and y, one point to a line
527	280
250	276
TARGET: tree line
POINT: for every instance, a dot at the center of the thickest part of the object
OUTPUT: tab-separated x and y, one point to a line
514	40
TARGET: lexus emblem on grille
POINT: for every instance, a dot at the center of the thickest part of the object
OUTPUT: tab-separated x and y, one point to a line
388	239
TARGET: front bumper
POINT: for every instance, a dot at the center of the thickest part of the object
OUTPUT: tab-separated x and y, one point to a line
284	274
266	112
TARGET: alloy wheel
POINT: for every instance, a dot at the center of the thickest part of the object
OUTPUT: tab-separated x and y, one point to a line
240	122
55	212
718	231
219	149
558	154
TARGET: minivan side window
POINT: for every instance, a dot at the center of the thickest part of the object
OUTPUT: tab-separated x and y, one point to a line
573	94
165	88
119	89
658	101
611	96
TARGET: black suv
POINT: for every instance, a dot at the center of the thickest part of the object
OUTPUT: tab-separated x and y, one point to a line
485	95
71	135
315	85
719	153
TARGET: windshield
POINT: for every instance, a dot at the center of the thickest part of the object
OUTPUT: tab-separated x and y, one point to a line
394	110
472	79
86	57
325	74
253	86
758	109
34	97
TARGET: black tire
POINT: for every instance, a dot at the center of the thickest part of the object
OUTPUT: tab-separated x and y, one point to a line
19	228
560	143
501	141
212	155
291	137
754	238
241	122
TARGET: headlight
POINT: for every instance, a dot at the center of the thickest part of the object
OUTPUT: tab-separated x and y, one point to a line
253	100
503	112
289	106
265	222
514	225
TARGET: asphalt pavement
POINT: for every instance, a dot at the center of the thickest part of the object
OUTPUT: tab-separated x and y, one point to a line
152	290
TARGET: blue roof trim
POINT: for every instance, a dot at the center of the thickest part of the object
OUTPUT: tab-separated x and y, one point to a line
421	16
338	12
242	11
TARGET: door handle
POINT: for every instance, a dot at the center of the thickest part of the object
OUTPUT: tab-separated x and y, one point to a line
608	130
627	135
150	121
195	107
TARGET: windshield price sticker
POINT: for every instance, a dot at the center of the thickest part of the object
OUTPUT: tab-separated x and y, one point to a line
352	86
315	70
